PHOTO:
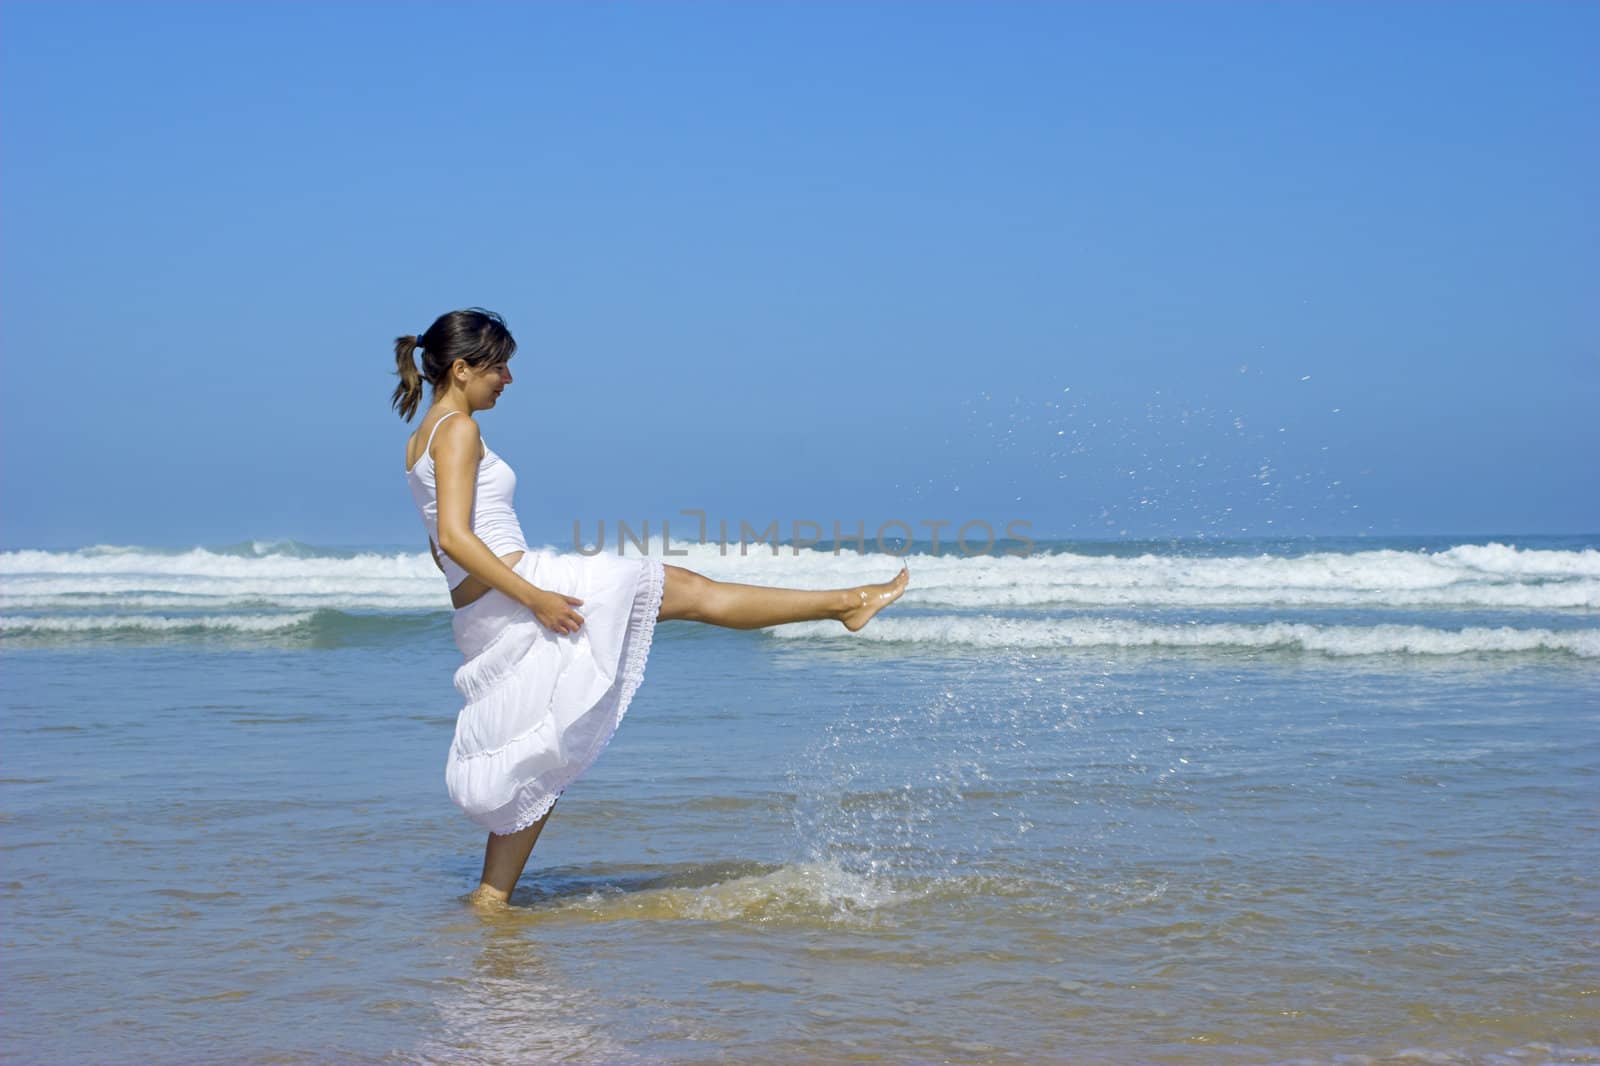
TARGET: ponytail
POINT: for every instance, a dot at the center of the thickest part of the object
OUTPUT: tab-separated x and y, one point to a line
407	394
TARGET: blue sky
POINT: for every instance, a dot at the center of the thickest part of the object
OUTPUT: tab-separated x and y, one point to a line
1115	270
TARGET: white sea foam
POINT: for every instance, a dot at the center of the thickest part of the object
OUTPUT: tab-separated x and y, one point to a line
134	594
1487	576
244	623
198	562
995	632
1468	576
204	580
1459	577
103	587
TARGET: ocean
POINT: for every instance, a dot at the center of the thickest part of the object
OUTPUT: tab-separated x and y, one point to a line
1318	800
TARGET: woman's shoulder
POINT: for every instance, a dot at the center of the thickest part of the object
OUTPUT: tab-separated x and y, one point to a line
457	435
453	429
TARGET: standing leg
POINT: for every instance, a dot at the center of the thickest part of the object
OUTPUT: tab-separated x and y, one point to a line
503	860
697	598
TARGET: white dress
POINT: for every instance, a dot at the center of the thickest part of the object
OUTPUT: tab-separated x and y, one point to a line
539	707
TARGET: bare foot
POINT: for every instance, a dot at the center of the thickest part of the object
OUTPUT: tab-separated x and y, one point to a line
487	899
875	598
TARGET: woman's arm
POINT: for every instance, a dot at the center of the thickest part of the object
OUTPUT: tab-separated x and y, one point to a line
457	449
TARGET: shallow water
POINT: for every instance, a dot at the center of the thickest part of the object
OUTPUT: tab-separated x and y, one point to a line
228	846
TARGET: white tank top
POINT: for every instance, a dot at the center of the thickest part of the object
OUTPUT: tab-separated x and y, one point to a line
494	518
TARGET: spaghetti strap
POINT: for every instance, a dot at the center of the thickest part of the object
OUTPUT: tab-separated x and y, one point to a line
426	447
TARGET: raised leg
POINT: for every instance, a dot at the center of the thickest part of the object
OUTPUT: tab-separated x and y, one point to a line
503	860
698	598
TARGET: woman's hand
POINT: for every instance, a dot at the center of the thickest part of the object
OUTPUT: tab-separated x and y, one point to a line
555	611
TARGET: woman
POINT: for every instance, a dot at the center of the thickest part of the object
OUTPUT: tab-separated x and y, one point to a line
545	684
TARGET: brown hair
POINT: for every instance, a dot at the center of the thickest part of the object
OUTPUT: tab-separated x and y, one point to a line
478	336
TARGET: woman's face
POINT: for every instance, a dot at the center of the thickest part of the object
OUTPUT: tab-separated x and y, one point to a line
484	384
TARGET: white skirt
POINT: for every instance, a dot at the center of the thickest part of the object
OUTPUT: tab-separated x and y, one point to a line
540	708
